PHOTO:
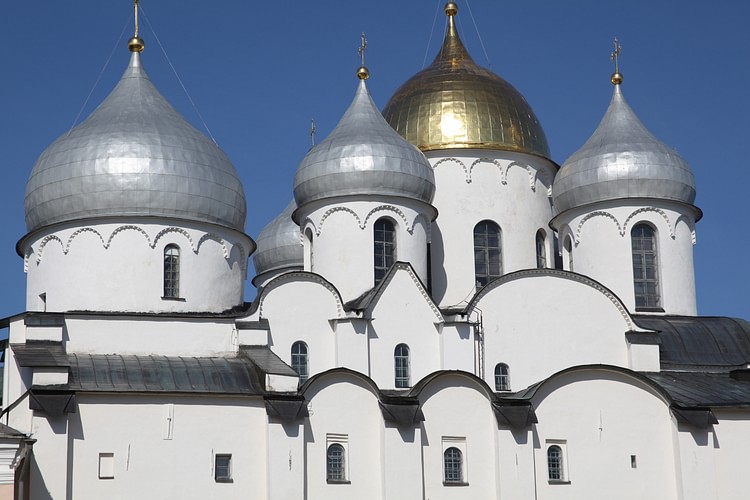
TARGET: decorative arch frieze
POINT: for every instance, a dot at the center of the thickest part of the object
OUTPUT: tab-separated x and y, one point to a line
690	223
177	230
503	172
106	244
659	211
26	258
598	213
532	172
301	276
388	208
128	227
467	171
319	227
217	239
44	242
427	226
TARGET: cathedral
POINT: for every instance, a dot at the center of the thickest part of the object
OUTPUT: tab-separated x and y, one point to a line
442	311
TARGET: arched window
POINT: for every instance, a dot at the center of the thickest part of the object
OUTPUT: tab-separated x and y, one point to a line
385	247
171	272
568	246
307	246
487	252
541	249
335	470
401	365
555	463
502	377
645	267
453	465
299	360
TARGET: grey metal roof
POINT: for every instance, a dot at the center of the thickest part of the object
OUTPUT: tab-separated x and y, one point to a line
135	155
363	155
40	354
622	159
703	389
267	361
118	373
700	342
279	244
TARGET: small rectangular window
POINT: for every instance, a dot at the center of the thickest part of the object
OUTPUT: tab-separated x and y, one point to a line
223	468
633	462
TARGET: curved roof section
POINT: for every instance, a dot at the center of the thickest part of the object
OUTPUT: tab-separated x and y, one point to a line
622	159
135	155
455	103
279	244
702	342
363	155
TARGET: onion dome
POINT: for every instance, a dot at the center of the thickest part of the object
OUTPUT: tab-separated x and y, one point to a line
622	159
134	156
363	155
279	244
455	103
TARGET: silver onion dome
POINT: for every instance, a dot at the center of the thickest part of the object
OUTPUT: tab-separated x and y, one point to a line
279	244
622	159
363	155
134	156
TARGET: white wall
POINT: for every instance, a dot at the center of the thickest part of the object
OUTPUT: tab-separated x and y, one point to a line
602	248
511	189
118	266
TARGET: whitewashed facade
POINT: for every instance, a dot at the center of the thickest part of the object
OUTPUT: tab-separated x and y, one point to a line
456	366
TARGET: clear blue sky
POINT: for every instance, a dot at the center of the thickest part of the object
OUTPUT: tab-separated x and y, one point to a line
258	71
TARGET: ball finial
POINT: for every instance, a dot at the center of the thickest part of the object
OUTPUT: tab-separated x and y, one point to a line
616	78
363	73
136	44
451	9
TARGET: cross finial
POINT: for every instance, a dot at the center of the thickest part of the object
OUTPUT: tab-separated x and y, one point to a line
312	131
616	78
615	55
362	48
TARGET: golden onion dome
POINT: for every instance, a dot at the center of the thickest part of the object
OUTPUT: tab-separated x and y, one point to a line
455	103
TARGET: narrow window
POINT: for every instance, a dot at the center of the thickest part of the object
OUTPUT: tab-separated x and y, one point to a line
453	466
541	249
299	360
555	463
385	247
401	365
223	468
171	272
487	252
502	377
308	250
645	267
568	246
335	463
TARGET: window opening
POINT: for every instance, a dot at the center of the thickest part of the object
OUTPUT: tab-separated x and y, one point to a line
223	468
401	365
299	360
385	247
554	463
453	465
645	267
569	251
335	463
541	249
172	272
487	252
502	377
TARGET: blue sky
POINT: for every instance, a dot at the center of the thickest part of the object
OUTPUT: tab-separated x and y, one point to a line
259	71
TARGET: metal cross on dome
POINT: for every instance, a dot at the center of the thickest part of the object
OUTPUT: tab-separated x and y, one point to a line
615	55
362	47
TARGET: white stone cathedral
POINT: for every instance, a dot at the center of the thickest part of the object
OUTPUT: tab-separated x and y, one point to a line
442	312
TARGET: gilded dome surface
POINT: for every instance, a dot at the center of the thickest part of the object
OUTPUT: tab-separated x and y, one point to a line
455	103
622	159
279	244
363	155
135	155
